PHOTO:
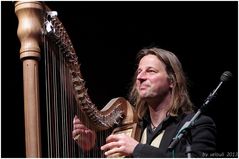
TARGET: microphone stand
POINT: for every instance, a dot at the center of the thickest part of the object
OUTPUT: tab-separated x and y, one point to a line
185	130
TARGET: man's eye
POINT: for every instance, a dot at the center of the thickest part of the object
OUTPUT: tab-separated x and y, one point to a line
138	72
152	71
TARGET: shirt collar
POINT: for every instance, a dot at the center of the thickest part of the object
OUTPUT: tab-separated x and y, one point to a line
169	118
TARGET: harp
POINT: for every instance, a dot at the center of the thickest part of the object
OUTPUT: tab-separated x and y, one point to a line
44	41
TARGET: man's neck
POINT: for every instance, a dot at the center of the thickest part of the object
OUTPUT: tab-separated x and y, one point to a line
158	111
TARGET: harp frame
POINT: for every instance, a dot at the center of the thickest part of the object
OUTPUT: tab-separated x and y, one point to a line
29	34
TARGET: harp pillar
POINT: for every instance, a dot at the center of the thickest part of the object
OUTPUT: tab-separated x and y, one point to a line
29	34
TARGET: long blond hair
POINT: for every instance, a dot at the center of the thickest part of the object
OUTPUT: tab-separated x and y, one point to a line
180	101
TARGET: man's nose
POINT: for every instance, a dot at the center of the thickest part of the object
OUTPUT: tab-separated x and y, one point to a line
141	75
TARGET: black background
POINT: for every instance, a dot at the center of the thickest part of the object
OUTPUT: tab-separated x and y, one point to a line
107	36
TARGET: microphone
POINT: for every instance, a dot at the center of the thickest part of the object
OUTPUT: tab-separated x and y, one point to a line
189	124
224	78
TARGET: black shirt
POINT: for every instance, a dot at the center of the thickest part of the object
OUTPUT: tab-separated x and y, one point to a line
203	137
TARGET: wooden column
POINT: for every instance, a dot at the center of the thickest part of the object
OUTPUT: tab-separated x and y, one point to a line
29	15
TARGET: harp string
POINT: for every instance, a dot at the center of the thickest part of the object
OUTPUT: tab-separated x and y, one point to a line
63	125
59	104
47	92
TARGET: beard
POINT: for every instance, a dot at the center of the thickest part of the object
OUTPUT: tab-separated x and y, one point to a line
146	93
151	93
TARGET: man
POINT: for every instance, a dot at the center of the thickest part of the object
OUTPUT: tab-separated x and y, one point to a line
163	106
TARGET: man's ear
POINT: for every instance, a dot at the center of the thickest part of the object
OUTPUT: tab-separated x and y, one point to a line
171	81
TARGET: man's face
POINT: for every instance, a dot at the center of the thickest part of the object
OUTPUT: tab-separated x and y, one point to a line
152	79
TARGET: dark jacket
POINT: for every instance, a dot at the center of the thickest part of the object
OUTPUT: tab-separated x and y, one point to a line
202	137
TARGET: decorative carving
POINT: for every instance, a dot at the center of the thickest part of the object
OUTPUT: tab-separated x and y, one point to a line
98	120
